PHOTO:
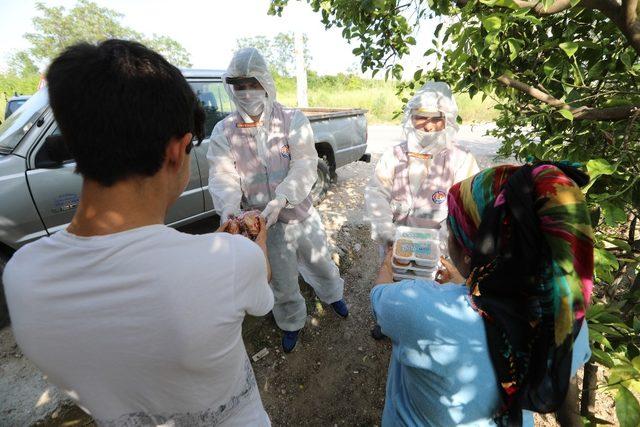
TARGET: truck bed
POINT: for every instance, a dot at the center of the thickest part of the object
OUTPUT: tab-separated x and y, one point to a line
317	113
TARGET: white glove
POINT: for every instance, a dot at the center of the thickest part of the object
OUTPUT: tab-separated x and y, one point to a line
272	210
227	213
383	232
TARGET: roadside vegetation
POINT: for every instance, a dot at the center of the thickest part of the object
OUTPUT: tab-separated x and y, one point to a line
340	91
379	97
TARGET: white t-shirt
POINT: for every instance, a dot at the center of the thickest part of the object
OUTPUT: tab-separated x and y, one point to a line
143	327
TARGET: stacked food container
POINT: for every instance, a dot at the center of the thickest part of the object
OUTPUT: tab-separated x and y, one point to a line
416	252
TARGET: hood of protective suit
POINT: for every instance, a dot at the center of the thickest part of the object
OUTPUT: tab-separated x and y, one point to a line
248	62
433	96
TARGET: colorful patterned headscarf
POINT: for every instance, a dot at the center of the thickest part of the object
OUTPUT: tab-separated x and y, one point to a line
528	232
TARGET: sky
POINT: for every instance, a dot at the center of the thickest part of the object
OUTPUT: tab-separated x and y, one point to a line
208	29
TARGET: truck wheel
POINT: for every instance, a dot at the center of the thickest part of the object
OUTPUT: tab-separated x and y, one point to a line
4	311
319	189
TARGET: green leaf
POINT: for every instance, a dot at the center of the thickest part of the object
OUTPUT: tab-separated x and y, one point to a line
566	114
597	337
515	46
613	214
627	408
622	373
602	358
570	48
492	23
502	3
437	30
597	167
625	246
636	362
605	258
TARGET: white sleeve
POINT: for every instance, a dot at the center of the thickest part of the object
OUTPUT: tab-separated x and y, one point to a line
253	294
377	198
224	181
467	168
304	161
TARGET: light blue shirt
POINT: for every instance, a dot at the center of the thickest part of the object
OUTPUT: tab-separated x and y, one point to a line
441	372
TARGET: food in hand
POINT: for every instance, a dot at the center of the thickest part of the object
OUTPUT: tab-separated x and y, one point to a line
249	223
233	227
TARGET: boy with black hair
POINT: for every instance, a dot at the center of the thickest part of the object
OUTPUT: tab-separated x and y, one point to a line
140	324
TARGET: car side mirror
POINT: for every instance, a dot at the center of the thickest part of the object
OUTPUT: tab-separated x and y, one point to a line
53	154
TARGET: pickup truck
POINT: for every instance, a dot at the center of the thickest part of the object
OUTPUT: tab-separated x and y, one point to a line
14	103
39	190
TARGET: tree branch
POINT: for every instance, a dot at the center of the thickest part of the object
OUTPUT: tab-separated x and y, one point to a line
536	93
539	9
624	16
580	113
629	9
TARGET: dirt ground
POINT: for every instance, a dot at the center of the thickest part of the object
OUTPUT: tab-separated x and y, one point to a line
337	373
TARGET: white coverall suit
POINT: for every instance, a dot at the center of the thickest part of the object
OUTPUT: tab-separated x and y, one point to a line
251	165
411	180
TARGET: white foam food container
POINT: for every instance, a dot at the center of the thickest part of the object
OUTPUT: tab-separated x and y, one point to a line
418	245
411	275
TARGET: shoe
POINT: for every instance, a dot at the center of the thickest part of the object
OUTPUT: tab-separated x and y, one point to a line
340	307
289	340
377	334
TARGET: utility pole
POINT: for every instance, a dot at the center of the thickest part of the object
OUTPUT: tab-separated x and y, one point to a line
301	72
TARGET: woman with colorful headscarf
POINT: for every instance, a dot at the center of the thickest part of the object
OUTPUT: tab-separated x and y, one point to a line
507	332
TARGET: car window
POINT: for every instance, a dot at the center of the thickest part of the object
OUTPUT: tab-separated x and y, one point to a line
14	105
53	151
214	100
19	123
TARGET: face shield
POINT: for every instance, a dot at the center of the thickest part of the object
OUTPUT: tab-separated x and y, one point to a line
430	116
250	96
246	68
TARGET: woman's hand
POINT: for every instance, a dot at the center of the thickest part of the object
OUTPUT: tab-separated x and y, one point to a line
448	273
385	274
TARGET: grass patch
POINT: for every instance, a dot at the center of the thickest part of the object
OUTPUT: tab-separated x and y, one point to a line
376	96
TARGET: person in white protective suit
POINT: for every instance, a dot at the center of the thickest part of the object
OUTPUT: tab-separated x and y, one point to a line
412	179
263	157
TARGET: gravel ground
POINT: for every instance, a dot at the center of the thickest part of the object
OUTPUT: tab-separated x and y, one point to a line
337	373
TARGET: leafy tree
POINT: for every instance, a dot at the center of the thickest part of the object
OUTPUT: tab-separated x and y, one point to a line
279	51
565	76
170	49
57	28
21	64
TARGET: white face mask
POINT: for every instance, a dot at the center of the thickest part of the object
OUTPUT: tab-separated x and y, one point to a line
431	142
251	101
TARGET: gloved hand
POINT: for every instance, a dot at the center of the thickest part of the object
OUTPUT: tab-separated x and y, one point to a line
227	213
384	232
272	210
